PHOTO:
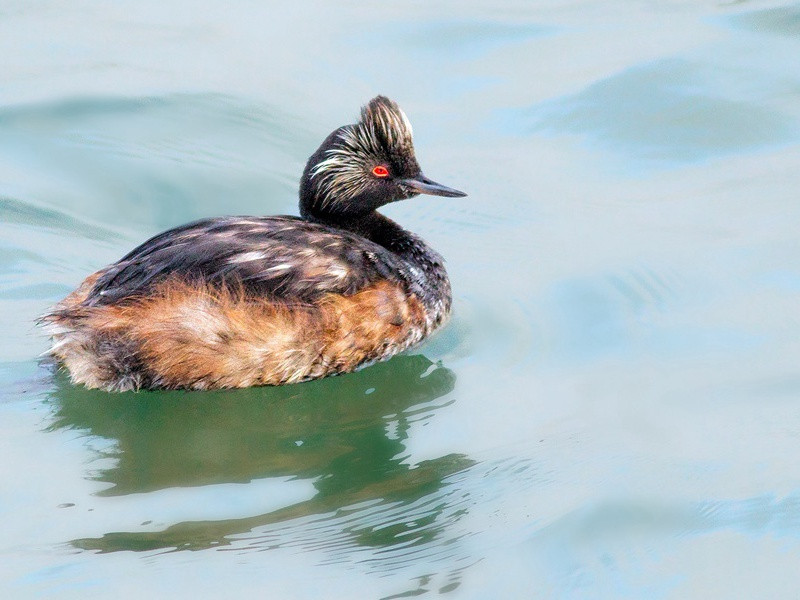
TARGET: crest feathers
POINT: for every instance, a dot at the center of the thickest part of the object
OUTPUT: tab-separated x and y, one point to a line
385	120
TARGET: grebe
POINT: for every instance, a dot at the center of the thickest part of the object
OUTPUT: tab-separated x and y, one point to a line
243	301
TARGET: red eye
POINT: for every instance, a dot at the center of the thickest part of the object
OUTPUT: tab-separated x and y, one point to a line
380	171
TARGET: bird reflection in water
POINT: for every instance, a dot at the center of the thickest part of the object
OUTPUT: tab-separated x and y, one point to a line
345	434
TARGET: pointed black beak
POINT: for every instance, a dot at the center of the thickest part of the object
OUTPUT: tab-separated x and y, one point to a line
422	185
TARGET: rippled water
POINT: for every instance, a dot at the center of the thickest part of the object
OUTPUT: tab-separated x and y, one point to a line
613	411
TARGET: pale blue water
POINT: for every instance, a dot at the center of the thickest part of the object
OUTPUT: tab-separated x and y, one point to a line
614	411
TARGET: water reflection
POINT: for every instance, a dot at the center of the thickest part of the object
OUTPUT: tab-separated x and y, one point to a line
345	435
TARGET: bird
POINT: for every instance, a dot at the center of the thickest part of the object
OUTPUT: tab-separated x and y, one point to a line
240	301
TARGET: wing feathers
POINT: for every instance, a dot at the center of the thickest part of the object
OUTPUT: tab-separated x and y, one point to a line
285	258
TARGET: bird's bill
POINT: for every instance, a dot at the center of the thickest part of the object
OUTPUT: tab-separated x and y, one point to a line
422	185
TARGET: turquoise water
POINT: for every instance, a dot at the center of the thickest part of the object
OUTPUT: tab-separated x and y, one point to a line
613	411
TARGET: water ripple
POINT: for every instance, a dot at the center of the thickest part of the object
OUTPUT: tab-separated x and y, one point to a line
664	111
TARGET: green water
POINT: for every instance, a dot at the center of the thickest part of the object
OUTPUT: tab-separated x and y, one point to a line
614	410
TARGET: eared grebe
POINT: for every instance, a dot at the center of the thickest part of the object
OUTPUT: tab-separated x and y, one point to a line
242	301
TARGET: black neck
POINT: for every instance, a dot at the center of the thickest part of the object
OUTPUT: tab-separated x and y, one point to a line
373	226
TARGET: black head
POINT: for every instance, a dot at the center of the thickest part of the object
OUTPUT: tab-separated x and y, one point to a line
361	167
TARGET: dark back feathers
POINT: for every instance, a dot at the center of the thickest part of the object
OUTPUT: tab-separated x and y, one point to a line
282	258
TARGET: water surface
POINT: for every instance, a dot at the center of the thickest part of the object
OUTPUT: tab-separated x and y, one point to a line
613	410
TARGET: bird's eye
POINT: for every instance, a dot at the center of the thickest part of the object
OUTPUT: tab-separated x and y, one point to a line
380	171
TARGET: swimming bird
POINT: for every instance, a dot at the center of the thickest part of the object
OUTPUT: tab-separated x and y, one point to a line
234	302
